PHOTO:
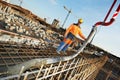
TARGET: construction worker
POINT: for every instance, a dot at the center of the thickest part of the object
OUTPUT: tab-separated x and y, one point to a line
69	36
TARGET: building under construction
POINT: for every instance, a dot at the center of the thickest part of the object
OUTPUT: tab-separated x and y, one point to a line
28	51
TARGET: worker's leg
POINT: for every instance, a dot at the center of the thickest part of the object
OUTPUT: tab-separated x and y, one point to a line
61	46
65	44
65	47
68	40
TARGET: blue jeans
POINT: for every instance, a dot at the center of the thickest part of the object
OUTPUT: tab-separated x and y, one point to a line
63	46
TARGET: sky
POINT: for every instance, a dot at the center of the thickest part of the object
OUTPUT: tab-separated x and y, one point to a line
91	11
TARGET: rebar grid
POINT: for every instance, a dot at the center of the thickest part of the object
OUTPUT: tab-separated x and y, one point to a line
76	69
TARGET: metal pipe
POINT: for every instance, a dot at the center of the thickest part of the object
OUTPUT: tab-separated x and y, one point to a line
111	20
110	10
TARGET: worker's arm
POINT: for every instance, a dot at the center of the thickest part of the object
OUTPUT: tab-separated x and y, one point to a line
81	35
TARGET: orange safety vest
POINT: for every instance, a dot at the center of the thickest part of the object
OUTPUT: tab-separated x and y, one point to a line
74	29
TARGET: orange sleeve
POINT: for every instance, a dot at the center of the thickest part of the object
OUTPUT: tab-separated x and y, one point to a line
68	30
81	34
